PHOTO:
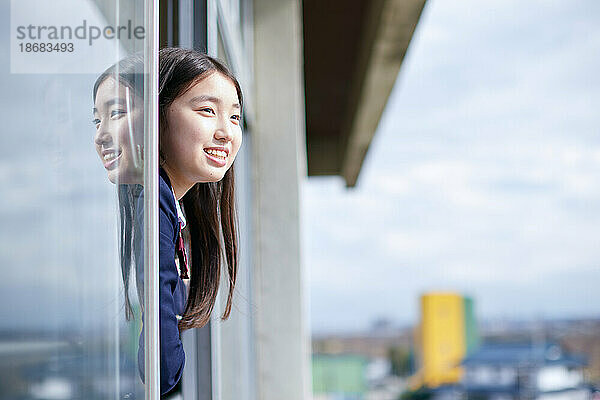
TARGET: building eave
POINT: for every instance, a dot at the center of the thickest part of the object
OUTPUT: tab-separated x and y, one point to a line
356	83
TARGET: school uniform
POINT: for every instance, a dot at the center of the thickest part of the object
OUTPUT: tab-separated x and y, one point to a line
172	290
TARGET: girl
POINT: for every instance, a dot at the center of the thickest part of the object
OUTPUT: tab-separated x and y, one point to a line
200	105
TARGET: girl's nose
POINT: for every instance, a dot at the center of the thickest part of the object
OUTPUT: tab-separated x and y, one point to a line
224	130
102	136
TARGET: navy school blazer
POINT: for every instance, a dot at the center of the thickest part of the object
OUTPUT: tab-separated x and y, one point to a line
173	293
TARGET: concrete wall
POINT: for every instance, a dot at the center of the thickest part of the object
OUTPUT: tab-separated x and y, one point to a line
282	351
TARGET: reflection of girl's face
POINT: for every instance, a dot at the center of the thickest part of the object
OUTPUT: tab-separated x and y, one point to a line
203	131
118	136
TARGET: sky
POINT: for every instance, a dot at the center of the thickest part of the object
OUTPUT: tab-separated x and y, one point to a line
483	176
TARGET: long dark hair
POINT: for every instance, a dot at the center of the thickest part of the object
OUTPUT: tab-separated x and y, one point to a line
210	208
129	72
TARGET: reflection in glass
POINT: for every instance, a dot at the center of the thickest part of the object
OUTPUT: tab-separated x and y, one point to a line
118	117
63	331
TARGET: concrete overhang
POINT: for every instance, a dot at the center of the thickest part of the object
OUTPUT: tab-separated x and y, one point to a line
353	51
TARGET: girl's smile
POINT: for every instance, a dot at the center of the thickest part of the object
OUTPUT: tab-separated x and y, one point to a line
110	158
218	155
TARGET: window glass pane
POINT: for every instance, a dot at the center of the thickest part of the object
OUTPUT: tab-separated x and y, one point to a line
235	339
71	200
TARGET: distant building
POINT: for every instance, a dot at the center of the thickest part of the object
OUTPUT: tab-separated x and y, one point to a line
372	344
446	334
342	376
506	371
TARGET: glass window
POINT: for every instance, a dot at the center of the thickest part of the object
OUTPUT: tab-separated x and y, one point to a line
234	355
72	201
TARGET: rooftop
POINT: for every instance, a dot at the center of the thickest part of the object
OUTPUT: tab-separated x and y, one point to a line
522	354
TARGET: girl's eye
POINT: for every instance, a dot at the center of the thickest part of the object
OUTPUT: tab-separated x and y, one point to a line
236	117
116	113
96	122
207	110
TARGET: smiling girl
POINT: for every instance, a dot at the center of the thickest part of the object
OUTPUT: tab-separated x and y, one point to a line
200	105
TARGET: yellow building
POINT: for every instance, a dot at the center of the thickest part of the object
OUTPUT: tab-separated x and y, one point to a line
442	339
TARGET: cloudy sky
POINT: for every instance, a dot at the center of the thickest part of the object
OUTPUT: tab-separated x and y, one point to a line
58	189
483	177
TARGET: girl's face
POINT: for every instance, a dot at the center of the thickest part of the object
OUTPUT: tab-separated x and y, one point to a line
119	130
203	133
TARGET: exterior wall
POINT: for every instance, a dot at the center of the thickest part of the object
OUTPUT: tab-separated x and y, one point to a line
282	351
261	352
